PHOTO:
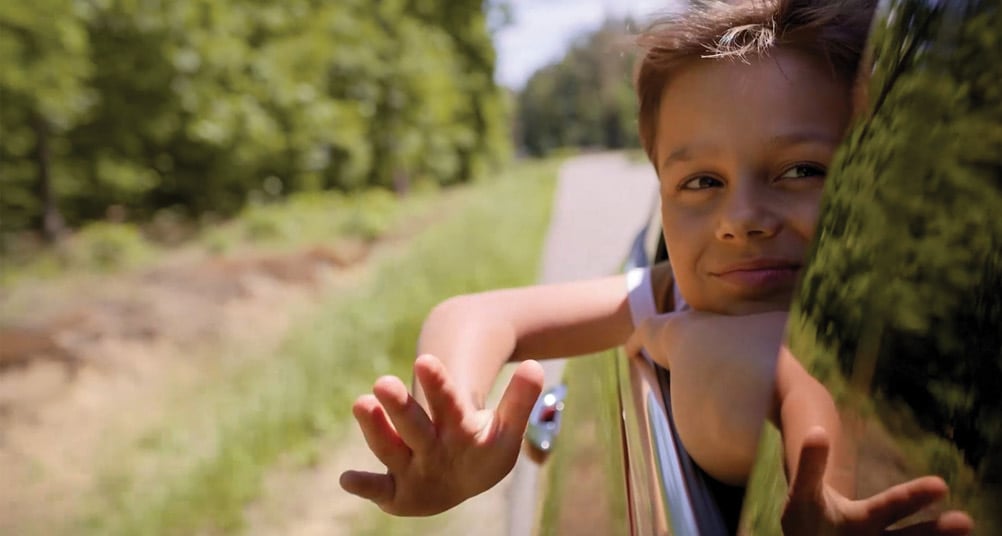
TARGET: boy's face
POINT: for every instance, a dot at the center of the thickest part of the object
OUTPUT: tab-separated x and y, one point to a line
742	150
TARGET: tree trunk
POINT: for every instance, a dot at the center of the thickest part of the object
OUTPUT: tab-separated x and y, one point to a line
52	224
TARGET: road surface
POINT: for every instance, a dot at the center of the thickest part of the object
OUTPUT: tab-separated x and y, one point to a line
601	201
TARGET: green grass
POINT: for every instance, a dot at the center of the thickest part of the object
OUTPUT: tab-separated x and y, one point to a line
311	217
199	468
583	478
767	487
305	218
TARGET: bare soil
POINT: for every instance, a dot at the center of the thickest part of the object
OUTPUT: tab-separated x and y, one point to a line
96	357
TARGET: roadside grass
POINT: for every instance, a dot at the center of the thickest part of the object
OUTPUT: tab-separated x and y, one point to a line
199	467
302	218
310	217
583	479
767	487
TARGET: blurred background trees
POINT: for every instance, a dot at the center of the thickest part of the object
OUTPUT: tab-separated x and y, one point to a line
120	109
198	104
585	100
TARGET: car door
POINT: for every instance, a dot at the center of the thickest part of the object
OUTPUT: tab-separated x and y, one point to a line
899	313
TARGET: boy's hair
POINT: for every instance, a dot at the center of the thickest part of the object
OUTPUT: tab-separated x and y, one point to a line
834	30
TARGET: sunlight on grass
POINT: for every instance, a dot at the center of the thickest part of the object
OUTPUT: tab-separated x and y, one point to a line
208	459
304	218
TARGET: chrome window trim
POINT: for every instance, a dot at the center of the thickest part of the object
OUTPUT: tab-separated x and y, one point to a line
657	465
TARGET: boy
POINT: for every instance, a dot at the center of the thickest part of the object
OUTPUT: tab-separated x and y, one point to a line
741	108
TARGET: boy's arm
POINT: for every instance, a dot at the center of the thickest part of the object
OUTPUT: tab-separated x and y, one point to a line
440	446
803	403
475	335
820	499
723	371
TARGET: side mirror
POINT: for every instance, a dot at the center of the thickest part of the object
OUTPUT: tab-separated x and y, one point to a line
544	423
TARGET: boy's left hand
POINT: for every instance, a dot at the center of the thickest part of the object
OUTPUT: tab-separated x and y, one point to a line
816	508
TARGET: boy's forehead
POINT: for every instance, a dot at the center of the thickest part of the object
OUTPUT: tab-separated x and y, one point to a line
785	94
725	78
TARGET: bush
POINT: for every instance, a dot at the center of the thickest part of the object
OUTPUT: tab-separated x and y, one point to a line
107	246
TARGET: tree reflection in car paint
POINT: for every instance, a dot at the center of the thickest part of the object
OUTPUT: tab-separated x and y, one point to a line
900	309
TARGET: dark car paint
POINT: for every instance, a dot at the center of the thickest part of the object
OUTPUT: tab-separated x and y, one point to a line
611	470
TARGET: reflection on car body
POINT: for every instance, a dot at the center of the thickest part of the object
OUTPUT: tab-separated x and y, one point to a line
898	314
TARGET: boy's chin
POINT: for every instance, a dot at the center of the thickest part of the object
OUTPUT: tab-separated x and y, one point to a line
724	301
751	307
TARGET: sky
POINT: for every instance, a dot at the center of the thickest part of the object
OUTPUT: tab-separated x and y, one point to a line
543	29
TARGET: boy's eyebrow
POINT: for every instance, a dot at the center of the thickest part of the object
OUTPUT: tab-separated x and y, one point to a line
681	154
805	136
685	153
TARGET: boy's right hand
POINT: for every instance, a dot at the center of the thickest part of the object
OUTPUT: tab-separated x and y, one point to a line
436	461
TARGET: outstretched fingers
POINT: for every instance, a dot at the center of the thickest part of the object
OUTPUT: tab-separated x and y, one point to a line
518	399
378	488
808	481
408	417
903	500
447	407
379	434
951	523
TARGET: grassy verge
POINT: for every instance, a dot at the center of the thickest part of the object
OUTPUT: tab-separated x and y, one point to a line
585	489
202	465
306	218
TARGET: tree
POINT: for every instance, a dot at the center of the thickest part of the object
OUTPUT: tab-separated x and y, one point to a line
197	104
45	95
586	99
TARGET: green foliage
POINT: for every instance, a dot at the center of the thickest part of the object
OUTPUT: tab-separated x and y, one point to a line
301	219
107	246
586	468
585	100
46	53
767	487
98	248
306	218
206	104
196	471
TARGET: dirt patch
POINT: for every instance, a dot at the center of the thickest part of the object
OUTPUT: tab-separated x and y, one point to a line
99	357
306	500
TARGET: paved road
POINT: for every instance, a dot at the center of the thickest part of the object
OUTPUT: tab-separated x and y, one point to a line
600	203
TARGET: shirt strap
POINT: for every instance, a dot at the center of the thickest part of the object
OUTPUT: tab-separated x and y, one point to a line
640	294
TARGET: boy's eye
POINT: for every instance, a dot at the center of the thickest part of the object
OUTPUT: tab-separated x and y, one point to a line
803	171
701	182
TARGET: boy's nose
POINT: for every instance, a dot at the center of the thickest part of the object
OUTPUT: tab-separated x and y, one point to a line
744	216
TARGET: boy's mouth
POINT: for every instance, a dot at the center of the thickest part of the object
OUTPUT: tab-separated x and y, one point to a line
760	274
